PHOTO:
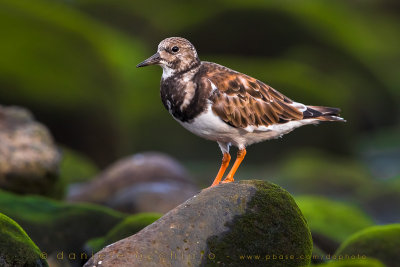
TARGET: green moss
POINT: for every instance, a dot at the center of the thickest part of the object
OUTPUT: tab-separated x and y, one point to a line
271	225
353	263
16	248
129	226
57	226
333	219
379	242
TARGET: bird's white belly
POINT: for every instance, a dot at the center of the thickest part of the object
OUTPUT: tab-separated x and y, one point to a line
210	126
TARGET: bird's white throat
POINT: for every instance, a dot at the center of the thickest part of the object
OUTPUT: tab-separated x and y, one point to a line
167	72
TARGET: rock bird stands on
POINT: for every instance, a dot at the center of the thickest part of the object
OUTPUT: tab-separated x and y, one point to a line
226	106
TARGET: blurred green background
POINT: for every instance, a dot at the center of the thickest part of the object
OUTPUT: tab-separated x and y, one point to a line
72	63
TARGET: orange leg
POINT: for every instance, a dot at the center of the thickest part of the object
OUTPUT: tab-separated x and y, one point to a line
239	158
224	165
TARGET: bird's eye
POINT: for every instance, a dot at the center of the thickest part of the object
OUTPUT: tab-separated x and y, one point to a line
175	49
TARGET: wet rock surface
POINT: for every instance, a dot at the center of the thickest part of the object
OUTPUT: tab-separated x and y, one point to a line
219	226
146	182
29	159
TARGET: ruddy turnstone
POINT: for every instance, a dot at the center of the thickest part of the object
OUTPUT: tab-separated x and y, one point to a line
226	106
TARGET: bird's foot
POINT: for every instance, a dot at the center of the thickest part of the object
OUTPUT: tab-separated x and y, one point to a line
215	183
228	180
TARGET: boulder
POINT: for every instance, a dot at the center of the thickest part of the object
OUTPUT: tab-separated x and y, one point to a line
29	159
16	248
379	242
59	228
146	182
246	223
129	226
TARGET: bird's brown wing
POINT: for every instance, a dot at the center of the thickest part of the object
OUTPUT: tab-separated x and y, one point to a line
242	101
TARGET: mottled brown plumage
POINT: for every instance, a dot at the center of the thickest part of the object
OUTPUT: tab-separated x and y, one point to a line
242	100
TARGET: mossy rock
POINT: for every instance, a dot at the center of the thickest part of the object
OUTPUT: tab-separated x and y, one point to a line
129	226
55	226
313	172
379	242
16	248
29	158
266	211
352	263
331	222
222	225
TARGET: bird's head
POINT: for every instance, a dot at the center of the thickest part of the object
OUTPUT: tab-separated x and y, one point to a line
174	55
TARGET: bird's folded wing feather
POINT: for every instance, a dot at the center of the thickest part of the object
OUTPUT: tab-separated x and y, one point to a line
243	101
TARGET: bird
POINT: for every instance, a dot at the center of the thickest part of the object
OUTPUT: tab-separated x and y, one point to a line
224	105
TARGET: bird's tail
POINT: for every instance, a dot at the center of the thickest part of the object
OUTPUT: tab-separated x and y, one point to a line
322	113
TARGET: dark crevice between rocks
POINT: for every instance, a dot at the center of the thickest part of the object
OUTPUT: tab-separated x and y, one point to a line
325	246
325	243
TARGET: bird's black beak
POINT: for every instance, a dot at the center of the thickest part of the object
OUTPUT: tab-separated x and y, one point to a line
154	59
